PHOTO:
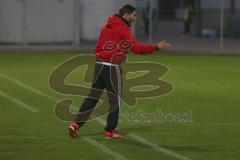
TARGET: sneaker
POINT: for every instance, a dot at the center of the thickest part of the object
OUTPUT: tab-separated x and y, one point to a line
113	134
73	130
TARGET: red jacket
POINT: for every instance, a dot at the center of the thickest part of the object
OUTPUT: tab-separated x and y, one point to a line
116	39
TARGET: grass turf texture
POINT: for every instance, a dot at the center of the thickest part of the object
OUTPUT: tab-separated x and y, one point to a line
209	85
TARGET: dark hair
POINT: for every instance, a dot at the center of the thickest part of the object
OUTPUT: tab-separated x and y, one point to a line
126	9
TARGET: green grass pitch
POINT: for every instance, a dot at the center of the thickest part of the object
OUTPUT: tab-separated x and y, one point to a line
208	85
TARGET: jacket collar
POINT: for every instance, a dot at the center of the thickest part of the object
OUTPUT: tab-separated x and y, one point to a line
124	20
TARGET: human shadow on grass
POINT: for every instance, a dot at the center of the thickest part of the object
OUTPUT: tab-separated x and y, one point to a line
127	131
126	140
124	131
129	141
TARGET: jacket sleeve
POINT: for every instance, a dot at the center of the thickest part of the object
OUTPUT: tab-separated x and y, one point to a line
139	48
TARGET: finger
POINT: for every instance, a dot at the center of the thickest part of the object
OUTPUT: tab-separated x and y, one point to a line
163	41
167	45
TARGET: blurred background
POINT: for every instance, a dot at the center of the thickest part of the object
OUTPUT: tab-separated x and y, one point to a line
38	36
190	25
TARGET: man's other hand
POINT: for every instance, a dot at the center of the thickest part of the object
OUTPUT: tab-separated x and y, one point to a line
163	45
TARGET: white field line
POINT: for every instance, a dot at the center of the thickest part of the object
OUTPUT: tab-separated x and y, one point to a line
27	87
101	147
156	147
18	102
105	149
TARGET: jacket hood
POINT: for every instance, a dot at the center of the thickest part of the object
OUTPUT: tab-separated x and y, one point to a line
115	20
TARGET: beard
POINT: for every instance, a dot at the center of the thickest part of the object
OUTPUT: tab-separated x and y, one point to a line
130	23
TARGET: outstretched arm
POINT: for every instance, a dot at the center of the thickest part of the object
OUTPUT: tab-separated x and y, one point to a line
139	48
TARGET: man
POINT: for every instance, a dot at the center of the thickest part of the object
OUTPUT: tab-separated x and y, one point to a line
115	40
187	19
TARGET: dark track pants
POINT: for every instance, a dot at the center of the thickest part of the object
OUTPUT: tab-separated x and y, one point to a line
109	77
